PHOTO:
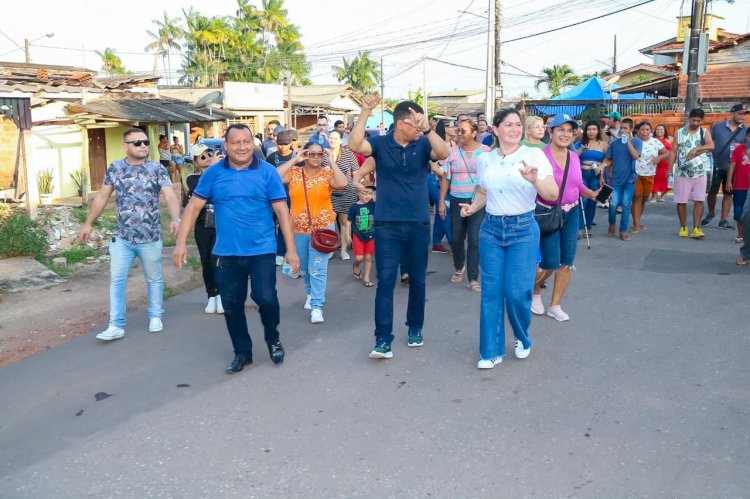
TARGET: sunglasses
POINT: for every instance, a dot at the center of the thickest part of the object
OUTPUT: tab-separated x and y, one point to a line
139	143
207	154
315	155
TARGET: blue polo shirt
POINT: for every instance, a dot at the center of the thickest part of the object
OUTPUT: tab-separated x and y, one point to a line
623	164
242	200
402	179
721	133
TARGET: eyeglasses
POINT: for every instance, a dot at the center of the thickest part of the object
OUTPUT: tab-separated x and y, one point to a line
207	154
315	155
139	143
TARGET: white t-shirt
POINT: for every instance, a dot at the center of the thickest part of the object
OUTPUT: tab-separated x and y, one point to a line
644	166
508	193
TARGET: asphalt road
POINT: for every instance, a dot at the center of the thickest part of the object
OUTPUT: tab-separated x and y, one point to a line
643	393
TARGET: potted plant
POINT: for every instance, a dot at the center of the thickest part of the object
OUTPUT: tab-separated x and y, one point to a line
44	184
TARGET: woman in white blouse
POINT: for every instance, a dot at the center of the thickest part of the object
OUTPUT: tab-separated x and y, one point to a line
510	177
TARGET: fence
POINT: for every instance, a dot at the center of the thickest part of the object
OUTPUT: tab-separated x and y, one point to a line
595	108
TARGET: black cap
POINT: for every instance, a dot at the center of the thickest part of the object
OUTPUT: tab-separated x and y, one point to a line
738	107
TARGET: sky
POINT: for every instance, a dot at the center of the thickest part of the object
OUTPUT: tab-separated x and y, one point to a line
401	32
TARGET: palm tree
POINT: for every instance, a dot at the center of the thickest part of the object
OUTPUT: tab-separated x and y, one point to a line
362	73
165	38
111	62
556	78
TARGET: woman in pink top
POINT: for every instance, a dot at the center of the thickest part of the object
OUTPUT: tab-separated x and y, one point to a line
559	249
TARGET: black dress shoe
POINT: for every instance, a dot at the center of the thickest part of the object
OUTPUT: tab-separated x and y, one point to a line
277	352
237	364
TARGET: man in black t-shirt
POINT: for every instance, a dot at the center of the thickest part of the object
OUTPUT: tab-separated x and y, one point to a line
281	155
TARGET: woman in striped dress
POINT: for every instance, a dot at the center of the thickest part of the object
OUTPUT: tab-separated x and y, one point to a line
342	200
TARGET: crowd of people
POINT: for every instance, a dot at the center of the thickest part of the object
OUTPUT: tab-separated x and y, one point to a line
511	198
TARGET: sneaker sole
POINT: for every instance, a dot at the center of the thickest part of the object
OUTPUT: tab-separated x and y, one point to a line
524	356
416	344
557	318
109	338
378	355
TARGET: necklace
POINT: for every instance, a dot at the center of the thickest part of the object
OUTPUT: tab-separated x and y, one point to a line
503	155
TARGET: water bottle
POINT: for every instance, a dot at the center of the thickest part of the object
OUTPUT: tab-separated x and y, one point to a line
624	138
670	180
286	269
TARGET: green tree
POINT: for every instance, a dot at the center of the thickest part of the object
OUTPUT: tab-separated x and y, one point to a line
165	37
556	78
417	96
111	62
361	72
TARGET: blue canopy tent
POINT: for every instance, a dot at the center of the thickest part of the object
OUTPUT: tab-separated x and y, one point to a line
589	90
374	120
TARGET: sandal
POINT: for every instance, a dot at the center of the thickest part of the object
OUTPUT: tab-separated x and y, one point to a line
741	261
738	240
368	284
474	286
636	230
458	275
357	275
624	236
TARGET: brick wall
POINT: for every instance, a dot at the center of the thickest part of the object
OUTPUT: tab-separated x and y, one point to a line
8	147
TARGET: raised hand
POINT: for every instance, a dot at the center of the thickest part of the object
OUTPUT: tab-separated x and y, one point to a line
529	172
419	120
370	101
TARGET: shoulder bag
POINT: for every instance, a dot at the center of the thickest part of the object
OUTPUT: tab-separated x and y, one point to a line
322	240
550	219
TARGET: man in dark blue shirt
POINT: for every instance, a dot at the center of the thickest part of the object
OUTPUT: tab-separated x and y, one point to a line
621	176
402	221
246	193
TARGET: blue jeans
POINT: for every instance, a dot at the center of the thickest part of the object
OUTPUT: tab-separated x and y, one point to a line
590	180
441	227
121	256
393	241
560	248
507	254
232	273
622	195
313	266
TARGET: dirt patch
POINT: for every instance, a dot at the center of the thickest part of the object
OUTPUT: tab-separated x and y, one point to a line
38	320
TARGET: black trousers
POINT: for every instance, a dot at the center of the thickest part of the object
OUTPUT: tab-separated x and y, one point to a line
465	229
205	240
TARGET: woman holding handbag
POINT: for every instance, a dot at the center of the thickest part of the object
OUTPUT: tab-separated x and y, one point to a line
310	188
462	182
559	247
509	179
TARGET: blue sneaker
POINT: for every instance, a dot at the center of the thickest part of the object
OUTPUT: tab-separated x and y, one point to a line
415	338
382	350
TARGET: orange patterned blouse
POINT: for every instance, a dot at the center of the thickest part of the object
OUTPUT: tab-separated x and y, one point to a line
319	193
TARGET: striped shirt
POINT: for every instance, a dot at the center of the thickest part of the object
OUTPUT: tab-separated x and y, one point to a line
461	168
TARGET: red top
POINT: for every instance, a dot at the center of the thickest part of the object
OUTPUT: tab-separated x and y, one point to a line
741	168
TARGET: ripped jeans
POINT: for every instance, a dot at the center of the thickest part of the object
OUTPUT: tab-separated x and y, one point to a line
313	267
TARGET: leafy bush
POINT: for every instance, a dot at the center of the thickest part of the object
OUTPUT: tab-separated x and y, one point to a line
22	236
79	254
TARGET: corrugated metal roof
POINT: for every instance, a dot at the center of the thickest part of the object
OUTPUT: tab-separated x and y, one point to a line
147	111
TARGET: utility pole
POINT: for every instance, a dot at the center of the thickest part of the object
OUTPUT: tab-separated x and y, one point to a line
289	99
489	91
424	85
614	57
382	93
26	50
498	62
696	27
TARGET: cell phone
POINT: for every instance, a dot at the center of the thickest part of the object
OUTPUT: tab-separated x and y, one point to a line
604	194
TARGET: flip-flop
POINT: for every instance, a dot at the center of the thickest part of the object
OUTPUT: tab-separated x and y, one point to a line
624	236
357	275
368	284
741	261
738	240
636	230
458	275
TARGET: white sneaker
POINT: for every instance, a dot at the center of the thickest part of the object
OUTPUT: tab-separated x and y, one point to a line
211	306
307	303
537	307
219	306
345	255
557	313
489	364
155	325
111	333
521	352
279	261
316	316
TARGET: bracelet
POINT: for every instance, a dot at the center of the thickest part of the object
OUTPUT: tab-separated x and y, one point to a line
427	131
177	220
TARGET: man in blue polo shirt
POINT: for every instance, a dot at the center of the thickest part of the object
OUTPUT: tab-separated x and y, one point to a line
621	176
402	220
246	192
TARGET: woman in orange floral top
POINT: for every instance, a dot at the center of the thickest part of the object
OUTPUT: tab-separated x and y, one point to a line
320	182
